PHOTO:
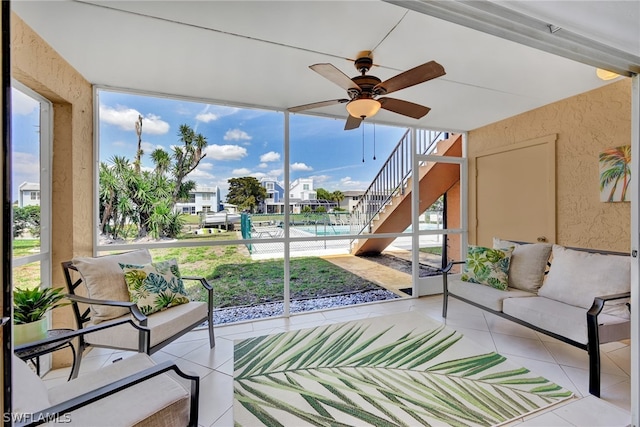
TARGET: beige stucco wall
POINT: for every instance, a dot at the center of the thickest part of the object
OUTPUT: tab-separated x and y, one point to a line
585	124
38	66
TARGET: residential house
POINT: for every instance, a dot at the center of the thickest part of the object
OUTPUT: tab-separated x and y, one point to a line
351	198
29	194
301	194
202	199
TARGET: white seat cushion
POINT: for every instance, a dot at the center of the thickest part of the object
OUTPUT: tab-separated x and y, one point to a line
159	401
163	324
564	319
484	295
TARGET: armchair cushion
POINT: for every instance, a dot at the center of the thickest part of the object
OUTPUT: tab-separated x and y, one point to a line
163	326
487	266
577	277
528	264
104	280
157	401
155	286
30	393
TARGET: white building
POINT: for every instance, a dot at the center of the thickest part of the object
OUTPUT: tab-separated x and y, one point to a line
202	199
29	194
301	193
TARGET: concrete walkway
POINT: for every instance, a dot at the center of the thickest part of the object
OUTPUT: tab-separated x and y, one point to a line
381	275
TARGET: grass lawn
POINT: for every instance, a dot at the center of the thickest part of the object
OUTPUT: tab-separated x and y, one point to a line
237	280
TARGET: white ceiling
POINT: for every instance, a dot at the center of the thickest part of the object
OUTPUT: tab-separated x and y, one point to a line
257	53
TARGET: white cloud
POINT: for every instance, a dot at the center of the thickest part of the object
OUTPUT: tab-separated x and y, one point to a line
200	173
300	167
347	183
263	165
207	117
275	173
148	147
22	104
225	152
237	135
318	180
205	165
241	171
259	175
126	118
23	163
271	156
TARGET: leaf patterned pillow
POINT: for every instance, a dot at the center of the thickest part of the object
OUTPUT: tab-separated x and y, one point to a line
487	266
155	286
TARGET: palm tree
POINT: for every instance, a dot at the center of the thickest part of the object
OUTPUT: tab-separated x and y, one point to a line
617	160
337	196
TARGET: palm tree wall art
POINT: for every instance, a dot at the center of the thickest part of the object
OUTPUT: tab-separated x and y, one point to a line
615	174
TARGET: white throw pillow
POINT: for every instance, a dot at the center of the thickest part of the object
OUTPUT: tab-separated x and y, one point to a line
577	277
105	280
528	263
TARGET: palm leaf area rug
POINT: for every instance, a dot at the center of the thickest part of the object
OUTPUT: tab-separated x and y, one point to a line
399	370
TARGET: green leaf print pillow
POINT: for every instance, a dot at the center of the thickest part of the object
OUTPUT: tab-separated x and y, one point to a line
155	286
487	266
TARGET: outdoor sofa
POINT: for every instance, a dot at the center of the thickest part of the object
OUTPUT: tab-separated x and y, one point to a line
576	295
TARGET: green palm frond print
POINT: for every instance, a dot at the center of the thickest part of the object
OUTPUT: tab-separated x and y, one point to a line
400	370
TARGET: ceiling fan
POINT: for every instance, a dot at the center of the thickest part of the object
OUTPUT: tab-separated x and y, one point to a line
364	90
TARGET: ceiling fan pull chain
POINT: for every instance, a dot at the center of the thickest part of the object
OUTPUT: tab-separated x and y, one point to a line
362	144
374	141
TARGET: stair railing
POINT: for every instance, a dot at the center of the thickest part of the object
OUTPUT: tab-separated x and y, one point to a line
392	178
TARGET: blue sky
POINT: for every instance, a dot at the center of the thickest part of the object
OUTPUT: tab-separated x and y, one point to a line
241	141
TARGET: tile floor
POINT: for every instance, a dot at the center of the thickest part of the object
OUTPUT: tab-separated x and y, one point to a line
546	356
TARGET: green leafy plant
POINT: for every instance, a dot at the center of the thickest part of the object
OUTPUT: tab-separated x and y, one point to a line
30	305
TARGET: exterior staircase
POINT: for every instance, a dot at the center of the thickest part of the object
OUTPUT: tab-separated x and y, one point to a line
386	207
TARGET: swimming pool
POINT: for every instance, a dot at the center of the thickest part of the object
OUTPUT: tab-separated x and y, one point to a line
337	230
325	230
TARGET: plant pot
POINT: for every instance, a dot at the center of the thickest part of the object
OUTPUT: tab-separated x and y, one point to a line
29	332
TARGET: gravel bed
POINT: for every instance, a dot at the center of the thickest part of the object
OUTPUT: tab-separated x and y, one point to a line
237	314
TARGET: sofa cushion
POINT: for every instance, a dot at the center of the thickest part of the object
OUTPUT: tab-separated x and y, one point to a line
155	286
487	266
566	320
528	263
577	277
104	280
486	296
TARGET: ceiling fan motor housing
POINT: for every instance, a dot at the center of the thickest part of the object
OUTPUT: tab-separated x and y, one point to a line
367	83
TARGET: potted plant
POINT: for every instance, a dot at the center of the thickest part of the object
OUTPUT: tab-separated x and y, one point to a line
29	309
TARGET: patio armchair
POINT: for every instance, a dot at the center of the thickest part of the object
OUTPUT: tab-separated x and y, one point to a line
133	391
99	293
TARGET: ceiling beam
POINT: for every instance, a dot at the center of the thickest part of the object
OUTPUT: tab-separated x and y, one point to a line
505	23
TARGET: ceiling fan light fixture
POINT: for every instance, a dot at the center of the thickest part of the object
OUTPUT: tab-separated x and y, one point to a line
606	74
363	107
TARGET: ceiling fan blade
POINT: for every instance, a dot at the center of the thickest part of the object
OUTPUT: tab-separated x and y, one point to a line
352	122
414	76
316	105
330	72
405	108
